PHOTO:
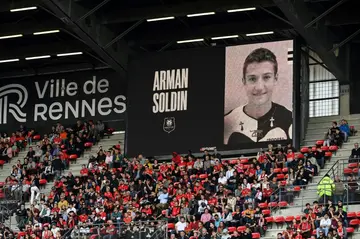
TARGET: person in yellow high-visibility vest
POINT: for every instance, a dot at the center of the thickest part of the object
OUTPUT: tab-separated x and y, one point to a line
325	189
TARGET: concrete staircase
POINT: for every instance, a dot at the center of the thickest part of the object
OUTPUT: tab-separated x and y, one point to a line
75	168
317	128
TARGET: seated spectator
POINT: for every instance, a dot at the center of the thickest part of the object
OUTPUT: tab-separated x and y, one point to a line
355	153
334	136
345	129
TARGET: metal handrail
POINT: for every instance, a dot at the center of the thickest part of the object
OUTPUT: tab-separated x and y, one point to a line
159	229
336	164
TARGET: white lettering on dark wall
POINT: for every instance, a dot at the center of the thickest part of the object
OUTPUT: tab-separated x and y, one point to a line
170	90
47	107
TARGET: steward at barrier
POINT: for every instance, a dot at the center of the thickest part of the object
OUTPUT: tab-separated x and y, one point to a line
325	188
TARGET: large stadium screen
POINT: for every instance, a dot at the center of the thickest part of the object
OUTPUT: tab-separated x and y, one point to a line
237	97
258	93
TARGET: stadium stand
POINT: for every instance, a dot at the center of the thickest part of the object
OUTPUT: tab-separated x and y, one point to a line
204	197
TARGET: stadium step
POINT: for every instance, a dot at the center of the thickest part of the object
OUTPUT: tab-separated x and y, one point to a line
334	118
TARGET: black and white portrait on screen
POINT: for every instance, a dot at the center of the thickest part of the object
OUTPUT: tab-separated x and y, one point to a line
258	111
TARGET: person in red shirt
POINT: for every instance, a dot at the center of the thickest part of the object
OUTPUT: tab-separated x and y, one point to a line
305	227
176	158
110	231
298	235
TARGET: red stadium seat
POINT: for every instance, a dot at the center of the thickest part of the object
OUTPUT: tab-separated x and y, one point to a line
241	228
231	229
297	188
277	170
298	217
171	226
37	137
2	184
355	170
358	214
333	148
269	219
353	165
88	145
255	235
350	230
328	154
263	205
280	176
279	219
351	214
285	170
42	181
272	204
73	157
319	142
314	148
283	204
244	160
348	171
266	212
203	176
354	222
304	150
283	183
299	156
289	218
234	161
324	148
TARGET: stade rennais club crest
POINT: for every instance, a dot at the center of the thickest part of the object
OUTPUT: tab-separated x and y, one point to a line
169	124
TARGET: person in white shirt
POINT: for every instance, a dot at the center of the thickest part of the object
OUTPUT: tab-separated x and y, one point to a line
55	229
229	172
222	179
181	225
109	159
202	200
325	224
163	199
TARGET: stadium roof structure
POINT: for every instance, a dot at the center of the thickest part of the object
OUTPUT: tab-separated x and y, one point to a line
47	36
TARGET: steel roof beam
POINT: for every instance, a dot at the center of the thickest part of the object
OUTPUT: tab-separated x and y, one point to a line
92	32
320	39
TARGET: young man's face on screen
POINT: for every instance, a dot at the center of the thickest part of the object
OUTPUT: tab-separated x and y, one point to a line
259	82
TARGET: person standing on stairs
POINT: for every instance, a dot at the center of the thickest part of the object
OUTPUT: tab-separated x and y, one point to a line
339	189
325	188
35	191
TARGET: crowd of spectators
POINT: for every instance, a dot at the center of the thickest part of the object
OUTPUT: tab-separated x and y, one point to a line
199	197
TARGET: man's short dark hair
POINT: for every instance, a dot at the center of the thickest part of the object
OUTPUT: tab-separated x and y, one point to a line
260	55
